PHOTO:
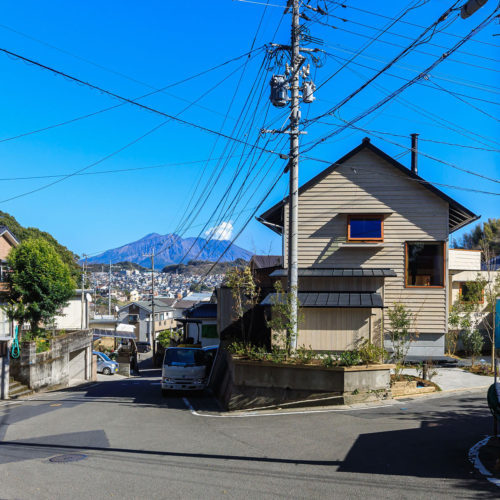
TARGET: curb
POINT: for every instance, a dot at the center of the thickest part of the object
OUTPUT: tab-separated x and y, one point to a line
476	462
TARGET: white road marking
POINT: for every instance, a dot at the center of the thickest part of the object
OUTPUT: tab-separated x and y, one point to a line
474	458
275	414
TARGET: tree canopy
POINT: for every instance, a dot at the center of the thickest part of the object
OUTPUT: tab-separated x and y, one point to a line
488	234
40	282
23	233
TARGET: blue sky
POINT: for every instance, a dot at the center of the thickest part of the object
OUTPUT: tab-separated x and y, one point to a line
131	47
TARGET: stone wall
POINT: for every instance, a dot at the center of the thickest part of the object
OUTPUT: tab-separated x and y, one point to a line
53	367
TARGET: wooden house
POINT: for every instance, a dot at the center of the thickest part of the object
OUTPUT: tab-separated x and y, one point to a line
371	233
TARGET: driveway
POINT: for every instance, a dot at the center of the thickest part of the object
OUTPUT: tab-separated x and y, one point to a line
135	444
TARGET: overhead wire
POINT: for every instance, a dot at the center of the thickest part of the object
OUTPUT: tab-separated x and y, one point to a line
143	96
119	150
406	37
396	92
378	14
119	97
394	21
439	120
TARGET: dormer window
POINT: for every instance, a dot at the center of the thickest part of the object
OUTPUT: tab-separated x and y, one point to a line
365	228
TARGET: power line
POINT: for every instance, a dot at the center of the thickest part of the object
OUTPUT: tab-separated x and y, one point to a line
124	99
423	84
370	42
438	119
420	138
344	5
456	167
179	82
406	37
154	129
372	108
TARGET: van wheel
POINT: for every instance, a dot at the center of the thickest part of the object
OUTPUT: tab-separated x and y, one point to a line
106	371
164	392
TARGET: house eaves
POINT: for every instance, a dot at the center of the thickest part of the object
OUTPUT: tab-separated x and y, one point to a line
459	216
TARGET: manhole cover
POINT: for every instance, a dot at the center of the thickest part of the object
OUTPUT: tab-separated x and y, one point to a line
75	457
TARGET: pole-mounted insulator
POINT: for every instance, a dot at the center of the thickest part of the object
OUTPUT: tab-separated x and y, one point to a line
279	91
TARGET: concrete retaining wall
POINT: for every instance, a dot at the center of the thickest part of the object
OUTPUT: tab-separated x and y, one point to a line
251	384
53	367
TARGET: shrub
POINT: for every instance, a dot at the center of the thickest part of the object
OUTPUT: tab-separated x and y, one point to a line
473	343
304	355
370	353
349	358
328	361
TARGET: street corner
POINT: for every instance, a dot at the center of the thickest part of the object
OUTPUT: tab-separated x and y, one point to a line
485	457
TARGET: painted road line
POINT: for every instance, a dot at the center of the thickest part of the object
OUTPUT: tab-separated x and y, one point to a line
474	458
279	413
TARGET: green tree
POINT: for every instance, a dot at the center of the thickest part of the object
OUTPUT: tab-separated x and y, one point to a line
39	280
24	233
245	294
482	237
281	318
400	321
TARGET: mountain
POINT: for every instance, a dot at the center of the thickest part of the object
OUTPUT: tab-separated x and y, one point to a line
170	249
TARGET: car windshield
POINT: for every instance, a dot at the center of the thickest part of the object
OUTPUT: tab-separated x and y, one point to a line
104	356
182	357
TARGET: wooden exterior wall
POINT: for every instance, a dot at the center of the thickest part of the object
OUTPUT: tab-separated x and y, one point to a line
367	184
338	329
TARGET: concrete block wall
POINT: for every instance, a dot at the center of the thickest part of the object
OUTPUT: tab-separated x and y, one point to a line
52	368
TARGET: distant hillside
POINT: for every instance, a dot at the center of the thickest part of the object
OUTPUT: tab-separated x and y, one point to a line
199	267
23	233
170	249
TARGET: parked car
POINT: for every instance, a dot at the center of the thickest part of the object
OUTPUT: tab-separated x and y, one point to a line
185	369
143	346
105	365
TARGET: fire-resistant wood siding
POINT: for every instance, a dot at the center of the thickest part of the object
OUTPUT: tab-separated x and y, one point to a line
367	184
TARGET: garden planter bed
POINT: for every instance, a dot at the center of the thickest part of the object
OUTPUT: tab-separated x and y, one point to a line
253	384
411	385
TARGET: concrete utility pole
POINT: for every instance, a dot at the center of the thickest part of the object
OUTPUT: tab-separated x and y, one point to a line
293	227
152	322
153	326
109	290
280	85
82	323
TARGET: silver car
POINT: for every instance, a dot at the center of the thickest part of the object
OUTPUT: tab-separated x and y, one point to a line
105	365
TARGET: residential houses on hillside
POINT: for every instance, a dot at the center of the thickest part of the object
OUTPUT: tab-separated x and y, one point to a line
371	233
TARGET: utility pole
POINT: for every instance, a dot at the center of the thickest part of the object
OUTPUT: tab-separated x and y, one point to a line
109	290
153	327
280	85
293	227
82	323
152	322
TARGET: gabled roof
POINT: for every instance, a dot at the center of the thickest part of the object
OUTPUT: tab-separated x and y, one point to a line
4	231
266	261
146	305
459	216
203	310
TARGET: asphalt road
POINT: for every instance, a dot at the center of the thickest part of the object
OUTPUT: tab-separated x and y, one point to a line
139	445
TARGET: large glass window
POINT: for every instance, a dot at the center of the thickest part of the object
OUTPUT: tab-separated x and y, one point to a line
365	228
424	264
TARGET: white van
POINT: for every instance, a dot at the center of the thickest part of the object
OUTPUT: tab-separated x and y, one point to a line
184	369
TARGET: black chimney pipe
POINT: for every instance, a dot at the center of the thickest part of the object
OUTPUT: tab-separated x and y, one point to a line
414	153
